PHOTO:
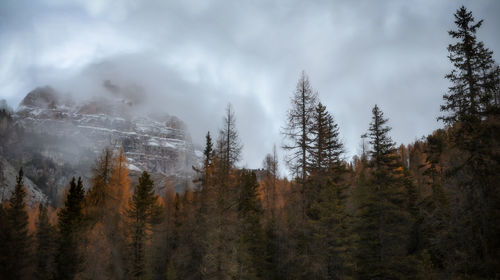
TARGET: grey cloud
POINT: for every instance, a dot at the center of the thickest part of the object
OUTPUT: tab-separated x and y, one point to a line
193	57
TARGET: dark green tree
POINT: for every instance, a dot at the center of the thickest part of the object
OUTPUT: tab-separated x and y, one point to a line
16	243
475	77
68	256
252	252
472	111
333	235
326	148
45	242
383	225
143	212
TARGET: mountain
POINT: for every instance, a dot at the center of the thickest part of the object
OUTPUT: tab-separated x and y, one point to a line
55	137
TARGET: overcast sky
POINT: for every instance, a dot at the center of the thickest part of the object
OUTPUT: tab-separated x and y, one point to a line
194	57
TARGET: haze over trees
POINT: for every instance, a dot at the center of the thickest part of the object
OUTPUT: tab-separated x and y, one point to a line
426	210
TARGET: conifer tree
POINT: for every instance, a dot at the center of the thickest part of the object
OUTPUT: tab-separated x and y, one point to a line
69	257
334	236
143	212
298	127
45	242
326	148
207	152
472	107
251	246
383	217
228	145
297	132
475	79
17	240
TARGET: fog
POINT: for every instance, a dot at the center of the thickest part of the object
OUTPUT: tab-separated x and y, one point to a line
191	58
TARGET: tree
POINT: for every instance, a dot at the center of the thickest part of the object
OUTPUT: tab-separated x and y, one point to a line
228	145
143	212
475	79
383	219
472	115
207	152
297	132
298	127
45	233
333	235
251	254
95	199
68	257
326	147
17	240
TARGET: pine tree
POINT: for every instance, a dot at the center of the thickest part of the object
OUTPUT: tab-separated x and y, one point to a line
472	107
45	242
326	148
207	152
383	217
143	212
68	256
251	245
17	240
333	235
475	79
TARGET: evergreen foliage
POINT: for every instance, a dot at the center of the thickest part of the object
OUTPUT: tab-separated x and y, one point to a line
68	257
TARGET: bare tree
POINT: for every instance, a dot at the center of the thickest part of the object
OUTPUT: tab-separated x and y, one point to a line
229	145
297	132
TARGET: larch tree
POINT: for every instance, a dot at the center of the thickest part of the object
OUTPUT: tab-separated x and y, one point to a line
297	132
228	144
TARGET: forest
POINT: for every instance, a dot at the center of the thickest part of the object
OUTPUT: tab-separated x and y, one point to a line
426	210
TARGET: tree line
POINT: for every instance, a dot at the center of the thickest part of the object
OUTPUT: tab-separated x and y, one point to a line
427	210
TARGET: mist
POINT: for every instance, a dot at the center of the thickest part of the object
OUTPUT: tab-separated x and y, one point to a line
191	59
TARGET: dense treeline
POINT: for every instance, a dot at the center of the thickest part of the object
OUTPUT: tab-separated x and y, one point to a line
428	210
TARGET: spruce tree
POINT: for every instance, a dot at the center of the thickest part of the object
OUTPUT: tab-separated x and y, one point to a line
45	242
326	148
383	224
333	234
17	240
143	212
68	257
472	111
252	258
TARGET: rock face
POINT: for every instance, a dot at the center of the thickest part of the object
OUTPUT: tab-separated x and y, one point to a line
74	133
8	181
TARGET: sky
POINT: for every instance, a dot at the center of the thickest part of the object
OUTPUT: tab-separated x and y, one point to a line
192	58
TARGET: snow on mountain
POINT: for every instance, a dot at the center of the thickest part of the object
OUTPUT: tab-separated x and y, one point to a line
157	144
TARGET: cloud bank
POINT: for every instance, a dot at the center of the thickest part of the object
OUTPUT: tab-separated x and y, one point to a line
191	58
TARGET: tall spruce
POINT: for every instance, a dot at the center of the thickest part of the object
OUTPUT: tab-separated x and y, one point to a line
326	147
472	111
17	240
143	212
69	258
383	219
45	242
